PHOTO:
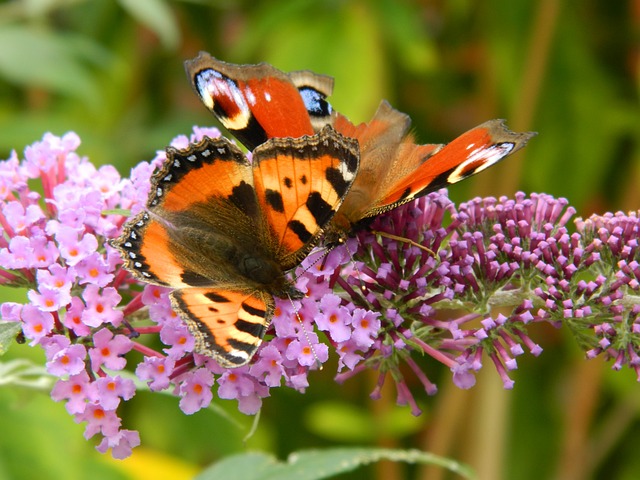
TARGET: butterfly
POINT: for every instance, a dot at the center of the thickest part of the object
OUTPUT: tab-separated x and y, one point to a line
252	102
394	170
223	231
258	102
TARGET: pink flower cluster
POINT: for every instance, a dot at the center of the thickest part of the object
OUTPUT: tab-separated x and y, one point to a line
87	313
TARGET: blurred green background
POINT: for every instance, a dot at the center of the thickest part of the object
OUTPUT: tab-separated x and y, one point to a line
570	70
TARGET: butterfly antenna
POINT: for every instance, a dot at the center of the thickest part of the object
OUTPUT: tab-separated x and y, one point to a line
306	335
404	240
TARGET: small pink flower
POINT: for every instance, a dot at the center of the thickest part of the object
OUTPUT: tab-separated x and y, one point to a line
108	350
112	389
37	324
195	390
156	371
120	444
77	390
101	306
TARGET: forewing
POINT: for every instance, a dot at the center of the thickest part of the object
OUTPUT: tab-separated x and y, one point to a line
394	170
470	153
300	184
258	102
201	200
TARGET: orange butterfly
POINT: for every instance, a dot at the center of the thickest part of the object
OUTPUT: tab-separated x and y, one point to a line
222	231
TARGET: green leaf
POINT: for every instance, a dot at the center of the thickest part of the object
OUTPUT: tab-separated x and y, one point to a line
8	332
40	440
158	17
25	374
318	464
42	59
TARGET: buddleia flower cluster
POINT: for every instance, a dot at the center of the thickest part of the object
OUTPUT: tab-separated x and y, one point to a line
376	302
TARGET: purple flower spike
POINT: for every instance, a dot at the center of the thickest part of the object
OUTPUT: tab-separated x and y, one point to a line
512	253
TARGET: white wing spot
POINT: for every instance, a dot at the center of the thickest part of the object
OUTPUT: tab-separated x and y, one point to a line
483	157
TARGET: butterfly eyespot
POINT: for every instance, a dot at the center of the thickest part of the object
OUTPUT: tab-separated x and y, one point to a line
206	153
132	256
176	163
159	192
168	178
267	96
192	158
146	274
222	150
137	264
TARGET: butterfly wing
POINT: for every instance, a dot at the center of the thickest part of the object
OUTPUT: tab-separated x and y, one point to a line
180	239
300	184
199	235
395	170
470	153
258	102
226	325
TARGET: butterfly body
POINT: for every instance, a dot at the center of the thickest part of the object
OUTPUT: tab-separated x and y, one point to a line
223	231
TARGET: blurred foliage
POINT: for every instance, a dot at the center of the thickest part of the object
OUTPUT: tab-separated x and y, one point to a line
112	71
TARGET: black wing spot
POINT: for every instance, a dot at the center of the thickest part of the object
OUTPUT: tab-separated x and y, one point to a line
337	181
243	196
256	312
274	199
300	230
216	297
255	329
319	208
